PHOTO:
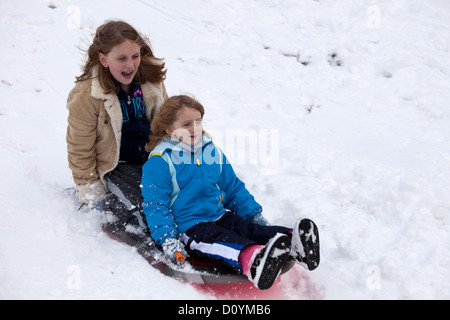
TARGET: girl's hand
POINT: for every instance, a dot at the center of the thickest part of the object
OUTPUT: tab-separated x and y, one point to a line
174	250
259	219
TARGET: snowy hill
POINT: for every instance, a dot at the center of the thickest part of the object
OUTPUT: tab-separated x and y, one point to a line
343	112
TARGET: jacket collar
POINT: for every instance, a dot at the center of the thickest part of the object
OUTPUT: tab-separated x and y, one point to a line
111	103
152	95
174	145
96	89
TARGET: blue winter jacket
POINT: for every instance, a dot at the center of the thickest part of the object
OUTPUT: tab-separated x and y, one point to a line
205	185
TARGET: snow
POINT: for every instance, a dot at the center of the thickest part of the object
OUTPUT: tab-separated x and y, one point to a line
343	112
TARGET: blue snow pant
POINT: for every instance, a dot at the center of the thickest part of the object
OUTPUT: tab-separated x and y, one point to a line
224	239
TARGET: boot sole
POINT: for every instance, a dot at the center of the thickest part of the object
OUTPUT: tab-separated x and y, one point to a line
274	256
309	254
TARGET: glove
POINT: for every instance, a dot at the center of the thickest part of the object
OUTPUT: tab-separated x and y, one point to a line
174	250
91	193
259	219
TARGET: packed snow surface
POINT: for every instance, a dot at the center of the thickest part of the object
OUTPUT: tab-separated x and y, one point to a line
338	111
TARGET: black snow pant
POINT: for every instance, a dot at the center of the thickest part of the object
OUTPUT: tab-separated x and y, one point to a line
125	198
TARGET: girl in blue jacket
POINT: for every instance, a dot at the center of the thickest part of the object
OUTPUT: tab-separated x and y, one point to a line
193	199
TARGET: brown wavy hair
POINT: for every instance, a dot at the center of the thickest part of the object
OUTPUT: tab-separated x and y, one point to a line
168	115
111	34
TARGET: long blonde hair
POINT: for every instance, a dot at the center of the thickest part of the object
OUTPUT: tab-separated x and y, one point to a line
111	34
167	116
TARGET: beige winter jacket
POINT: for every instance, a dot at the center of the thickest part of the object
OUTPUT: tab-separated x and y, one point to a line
94	133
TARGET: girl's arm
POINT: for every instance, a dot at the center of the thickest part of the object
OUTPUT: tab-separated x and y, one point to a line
156	188
237	198
81	138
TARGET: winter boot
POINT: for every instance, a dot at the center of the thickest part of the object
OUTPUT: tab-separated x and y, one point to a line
262	265
305	244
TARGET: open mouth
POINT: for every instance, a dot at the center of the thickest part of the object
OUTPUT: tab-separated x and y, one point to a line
127	75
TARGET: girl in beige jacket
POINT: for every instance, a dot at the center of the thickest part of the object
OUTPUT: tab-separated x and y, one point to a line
110	111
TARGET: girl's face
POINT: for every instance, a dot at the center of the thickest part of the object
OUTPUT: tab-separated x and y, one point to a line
187	127
123	62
